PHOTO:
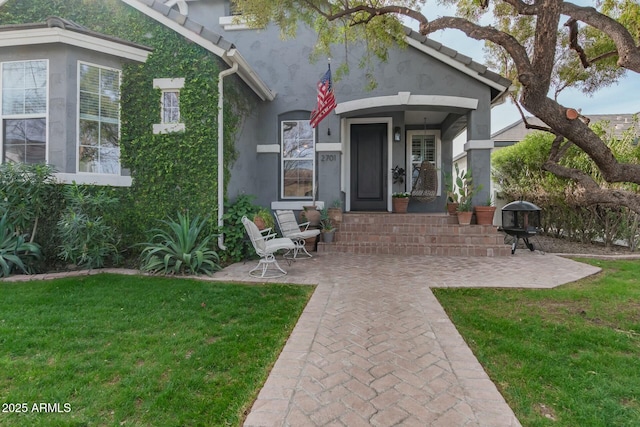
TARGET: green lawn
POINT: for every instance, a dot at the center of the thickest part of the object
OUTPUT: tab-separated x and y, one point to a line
568	356
139	351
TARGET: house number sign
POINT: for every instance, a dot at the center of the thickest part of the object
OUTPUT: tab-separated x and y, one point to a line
328	158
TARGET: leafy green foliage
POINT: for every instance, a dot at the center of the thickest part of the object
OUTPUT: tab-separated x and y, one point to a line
33	202
15	251
180	248
171	172
24	191
87	239
518	171
238	245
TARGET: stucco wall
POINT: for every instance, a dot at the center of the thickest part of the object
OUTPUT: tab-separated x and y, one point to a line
286	68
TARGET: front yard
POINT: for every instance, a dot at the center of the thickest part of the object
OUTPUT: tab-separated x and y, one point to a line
568	356
131	350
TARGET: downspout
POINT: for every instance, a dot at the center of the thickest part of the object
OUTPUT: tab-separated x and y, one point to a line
221	76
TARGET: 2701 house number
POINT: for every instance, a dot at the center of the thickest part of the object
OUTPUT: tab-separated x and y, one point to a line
328	158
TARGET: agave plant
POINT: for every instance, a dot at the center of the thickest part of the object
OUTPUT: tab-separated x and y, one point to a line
180	248
15	251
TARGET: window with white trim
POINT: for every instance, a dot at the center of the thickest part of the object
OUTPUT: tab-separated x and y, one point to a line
98	119
298	159
24	111
423	145
169	105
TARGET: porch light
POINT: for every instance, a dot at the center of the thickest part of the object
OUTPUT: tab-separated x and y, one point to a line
396	134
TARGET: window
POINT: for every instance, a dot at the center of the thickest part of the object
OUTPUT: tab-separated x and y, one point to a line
169	105
298	159
24	111
99	120
423	145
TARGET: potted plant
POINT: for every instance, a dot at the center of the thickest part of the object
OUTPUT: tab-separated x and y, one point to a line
400	202
326	226
310	212
485	212
453	196
465	212
335	212
263	219
465	191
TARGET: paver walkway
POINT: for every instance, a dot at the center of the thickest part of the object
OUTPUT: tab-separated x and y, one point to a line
374	347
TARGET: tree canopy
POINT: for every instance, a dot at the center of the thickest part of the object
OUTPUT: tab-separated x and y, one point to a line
545	46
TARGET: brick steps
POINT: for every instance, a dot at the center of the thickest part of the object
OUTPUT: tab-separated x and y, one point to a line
414	234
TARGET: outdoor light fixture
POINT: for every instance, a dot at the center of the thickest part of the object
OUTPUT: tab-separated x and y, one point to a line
396	134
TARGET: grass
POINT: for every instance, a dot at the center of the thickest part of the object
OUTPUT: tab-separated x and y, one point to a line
139	351
568	356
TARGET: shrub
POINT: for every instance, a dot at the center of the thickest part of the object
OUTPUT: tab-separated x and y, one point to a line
15	252
87	239
180	249
238	246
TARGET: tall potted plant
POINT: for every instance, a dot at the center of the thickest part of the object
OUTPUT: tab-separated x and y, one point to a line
326	226
465	190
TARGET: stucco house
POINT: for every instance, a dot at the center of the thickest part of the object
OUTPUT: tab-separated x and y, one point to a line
59	81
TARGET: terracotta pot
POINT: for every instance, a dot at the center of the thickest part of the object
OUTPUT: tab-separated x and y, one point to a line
259	222
400	204
452	208
484	214
464	218
335	214
312	215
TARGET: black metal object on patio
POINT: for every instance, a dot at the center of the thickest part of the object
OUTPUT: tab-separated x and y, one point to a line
521	220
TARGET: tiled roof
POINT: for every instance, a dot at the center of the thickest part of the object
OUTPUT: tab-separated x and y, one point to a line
188	23
464	60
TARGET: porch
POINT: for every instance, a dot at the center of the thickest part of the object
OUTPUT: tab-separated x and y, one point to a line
435	234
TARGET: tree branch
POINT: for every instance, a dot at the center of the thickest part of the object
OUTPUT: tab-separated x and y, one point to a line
628	52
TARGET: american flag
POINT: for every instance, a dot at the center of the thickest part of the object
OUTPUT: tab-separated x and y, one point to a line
326	99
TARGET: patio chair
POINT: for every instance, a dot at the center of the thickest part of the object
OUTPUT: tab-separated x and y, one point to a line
290	228
266	245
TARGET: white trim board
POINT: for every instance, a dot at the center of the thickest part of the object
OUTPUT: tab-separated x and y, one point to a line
37	36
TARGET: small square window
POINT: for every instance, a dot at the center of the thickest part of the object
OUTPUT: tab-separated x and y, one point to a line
169	105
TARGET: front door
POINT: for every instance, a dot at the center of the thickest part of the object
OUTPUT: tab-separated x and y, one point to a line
368	167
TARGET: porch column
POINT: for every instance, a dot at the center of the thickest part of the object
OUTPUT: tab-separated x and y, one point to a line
478	148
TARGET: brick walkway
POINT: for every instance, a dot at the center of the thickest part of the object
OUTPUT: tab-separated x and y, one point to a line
374	347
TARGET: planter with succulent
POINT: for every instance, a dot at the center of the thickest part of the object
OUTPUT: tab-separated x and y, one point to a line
263	219
453	195
485	212
400	202
327	228
465	191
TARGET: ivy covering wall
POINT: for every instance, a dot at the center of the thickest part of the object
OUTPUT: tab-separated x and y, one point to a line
171	172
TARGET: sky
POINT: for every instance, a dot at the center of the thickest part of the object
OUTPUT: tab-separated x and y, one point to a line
623	97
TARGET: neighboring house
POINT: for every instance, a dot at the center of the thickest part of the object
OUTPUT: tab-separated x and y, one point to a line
516	131
426	95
